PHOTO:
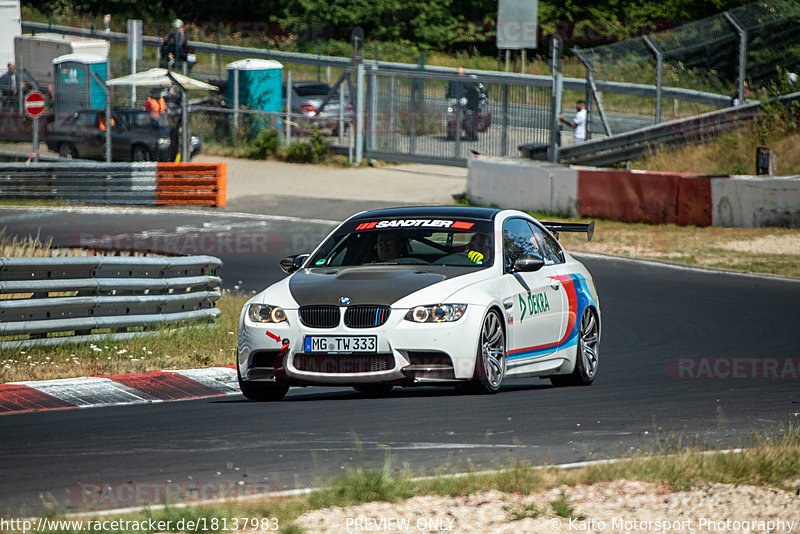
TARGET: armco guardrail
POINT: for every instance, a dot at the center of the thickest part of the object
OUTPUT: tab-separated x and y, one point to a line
116	183
638	143
50	301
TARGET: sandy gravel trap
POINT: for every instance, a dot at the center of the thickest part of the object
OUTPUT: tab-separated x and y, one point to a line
619	507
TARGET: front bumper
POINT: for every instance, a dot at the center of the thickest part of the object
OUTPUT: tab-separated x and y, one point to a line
406	352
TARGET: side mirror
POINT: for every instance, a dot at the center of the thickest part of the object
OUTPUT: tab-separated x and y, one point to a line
290	264
528	263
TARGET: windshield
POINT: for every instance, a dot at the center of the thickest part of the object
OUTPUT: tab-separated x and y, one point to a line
320	89
464	242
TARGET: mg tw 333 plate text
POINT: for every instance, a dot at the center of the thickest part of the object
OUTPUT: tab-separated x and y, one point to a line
341	344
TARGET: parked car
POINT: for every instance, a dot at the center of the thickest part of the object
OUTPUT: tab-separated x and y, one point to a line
135	136
307	99
454	296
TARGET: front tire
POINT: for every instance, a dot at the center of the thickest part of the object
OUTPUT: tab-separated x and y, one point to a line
140	153
586	357
262	391
67	151
490	360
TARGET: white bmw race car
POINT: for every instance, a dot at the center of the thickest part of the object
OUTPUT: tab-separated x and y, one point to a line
429	295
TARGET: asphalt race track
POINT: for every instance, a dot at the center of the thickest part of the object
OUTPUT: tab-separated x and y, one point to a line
685	350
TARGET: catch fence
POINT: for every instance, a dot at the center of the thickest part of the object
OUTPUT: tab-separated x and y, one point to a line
738	53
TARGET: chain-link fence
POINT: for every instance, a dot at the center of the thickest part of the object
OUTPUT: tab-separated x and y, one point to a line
739	51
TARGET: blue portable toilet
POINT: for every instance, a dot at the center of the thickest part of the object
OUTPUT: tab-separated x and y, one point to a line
75	87
259	82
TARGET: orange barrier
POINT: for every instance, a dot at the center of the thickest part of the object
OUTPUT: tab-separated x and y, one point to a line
658	198
191	183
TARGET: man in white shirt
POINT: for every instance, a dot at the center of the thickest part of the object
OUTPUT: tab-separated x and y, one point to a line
578	123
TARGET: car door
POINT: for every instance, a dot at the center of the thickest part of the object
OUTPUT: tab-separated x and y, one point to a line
537	298
89	140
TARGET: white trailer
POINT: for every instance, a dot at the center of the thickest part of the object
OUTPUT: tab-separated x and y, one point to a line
10	27
35	53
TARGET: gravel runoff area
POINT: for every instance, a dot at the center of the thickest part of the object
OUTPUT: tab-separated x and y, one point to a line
621	506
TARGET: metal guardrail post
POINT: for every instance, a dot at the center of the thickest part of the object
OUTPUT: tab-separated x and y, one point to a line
186	153
392	90
412	115
373	111
287	124
504	148
659	70
742	53
236	98
341	114
359	113
109	117
555	98
592	86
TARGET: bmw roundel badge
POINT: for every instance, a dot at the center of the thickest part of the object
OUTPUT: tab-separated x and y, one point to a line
344	300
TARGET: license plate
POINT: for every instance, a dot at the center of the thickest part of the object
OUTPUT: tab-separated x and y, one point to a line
341	344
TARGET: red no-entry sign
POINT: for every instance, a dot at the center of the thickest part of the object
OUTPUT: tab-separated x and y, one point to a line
34	103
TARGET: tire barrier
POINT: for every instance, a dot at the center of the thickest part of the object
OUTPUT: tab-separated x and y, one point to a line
635	196
146	183
51	301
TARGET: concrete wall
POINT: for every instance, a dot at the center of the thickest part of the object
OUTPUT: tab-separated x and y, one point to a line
635	196
756	201
523	184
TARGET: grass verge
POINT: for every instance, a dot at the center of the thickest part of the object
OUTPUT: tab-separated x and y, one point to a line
771	461
733	153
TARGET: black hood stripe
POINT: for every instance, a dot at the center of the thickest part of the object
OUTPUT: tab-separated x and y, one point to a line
375	285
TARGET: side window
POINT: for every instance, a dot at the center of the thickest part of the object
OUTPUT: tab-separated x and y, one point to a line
518	239
551	250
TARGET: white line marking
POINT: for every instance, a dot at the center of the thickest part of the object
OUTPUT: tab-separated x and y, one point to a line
681	267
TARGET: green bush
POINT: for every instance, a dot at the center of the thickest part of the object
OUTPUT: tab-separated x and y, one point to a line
300	152
311	151
262	146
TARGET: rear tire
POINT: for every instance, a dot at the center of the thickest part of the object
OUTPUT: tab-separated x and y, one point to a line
67	151
586	357
262	391
490	360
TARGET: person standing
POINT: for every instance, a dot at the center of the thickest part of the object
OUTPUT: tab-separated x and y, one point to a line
8	85
155	104
578	123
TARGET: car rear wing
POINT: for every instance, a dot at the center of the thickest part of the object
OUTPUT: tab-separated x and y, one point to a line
556	227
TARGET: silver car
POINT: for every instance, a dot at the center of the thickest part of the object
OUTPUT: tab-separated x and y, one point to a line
307	99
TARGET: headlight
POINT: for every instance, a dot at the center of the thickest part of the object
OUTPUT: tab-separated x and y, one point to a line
163	143
263	313
438	313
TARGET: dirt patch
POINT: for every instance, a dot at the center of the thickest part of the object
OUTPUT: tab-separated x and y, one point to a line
771	244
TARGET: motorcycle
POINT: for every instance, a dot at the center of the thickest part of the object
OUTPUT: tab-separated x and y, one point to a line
469	102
